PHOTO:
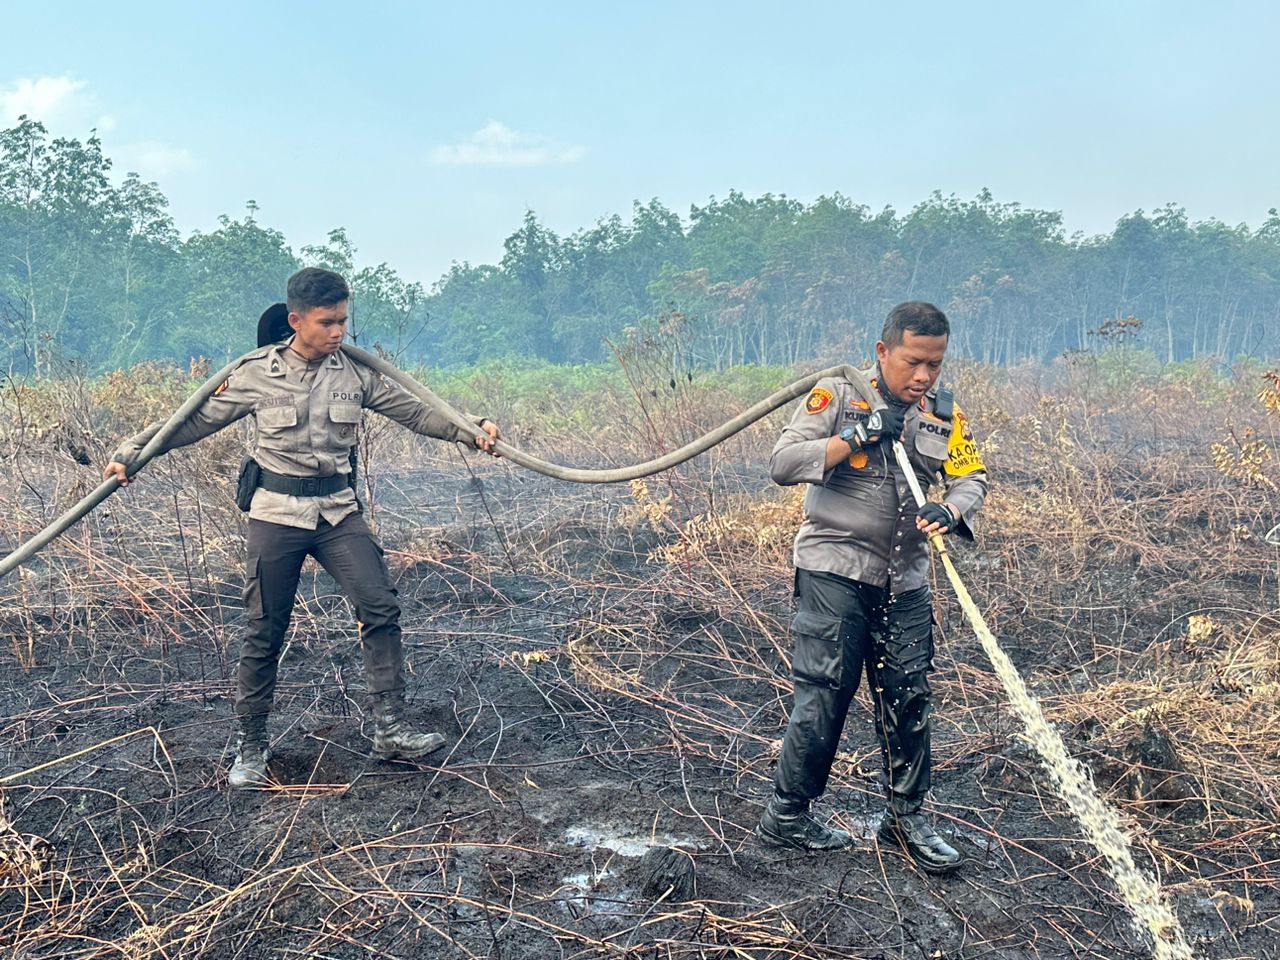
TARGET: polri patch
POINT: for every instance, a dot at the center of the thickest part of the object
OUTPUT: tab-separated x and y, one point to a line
939	428
818	400
344	396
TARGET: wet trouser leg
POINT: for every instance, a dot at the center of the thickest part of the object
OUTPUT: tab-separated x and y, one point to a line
831	631
275	555
898	677
353	558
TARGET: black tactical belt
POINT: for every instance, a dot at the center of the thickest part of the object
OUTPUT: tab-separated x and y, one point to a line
303	486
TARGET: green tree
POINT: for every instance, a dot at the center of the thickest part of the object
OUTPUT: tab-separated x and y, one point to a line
231	275
389	309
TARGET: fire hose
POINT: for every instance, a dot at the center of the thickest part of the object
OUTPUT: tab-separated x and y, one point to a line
157	444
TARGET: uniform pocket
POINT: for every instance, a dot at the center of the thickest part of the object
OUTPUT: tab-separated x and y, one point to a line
817	656
932	436
344	421
909	643
277	427
253	587
344	412
274	418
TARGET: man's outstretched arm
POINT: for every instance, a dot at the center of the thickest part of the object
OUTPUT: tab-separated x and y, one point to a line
229	403
394	402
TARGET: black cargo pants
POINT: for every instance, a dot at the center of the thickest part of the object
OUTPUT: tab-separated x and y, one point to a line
354	559
841	628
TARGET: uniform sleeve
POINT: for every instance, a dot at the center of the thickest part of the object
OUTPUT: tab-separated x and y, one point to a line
232	400
388	398
800	454
964	475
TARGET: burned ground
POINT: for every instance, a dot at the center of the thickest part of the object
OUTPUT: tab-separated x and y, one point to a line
609	666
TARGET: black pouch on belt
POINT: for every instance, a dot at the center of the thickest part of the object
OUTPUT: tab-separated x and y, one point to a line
247	483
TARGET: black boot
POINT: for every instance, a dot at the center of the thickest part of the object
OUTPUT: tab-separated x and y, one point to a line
249	771
787	824
914	833
393	737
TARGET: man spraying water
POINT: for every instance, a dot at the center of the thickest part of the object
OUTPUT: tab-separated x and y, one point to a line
862	598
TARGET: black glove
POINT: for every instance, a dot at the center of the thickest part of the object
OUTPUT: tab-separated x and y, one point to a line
936	513
886	423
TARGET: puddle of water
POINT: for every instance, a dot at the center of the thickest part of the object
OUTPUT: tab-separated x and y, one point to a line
862	827
585	881
593	837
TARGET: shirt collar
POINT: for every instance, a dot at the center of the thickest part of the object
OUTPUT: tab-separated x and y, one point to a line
276	361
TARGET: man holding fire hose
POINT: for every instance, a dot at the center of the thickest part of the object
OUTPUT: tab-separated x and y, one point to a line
862	596
306	398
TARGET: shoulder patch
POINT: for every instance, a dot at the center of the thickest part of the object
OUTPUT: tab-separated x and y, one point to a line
818	400
222	387
963	456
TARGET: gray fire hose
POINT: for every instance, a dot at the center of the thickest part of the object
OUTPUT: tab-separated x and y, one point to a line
617	474
153	448
556	471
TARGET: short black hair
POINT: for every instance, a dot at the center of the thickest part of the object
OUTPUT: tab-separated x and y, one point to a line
312	287
922	319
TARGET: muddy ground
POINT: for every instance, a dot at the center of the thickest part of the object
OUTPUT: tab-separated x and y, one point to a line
598	702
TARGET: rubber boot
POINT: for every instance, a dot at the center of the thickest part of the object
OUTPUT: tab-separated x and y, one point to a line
393	738
788	824
914	833
249	771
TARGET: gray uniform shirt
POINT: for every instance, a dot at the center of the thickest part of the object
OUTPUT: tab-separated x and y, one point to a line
306	418
860	516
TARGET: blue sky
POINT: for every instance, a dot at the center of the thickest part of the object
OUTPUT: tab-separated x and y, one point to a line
428	129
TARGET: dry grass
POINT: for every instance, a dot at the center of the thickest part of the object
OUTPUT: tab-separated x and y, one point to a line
617	659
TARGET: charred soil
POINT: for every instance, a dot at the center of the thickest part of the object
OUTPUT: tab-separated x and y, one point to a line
610	669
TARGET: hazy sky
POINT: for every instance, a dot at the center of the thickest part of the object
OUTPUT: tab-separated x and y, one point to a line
428	130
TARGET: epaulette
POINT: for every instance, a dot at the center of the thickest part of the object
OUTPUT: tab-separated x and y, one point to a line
944	403
256	354
240	362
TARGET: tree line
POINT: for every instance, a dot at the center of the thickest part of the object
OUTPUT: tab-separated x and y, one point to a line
95	269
